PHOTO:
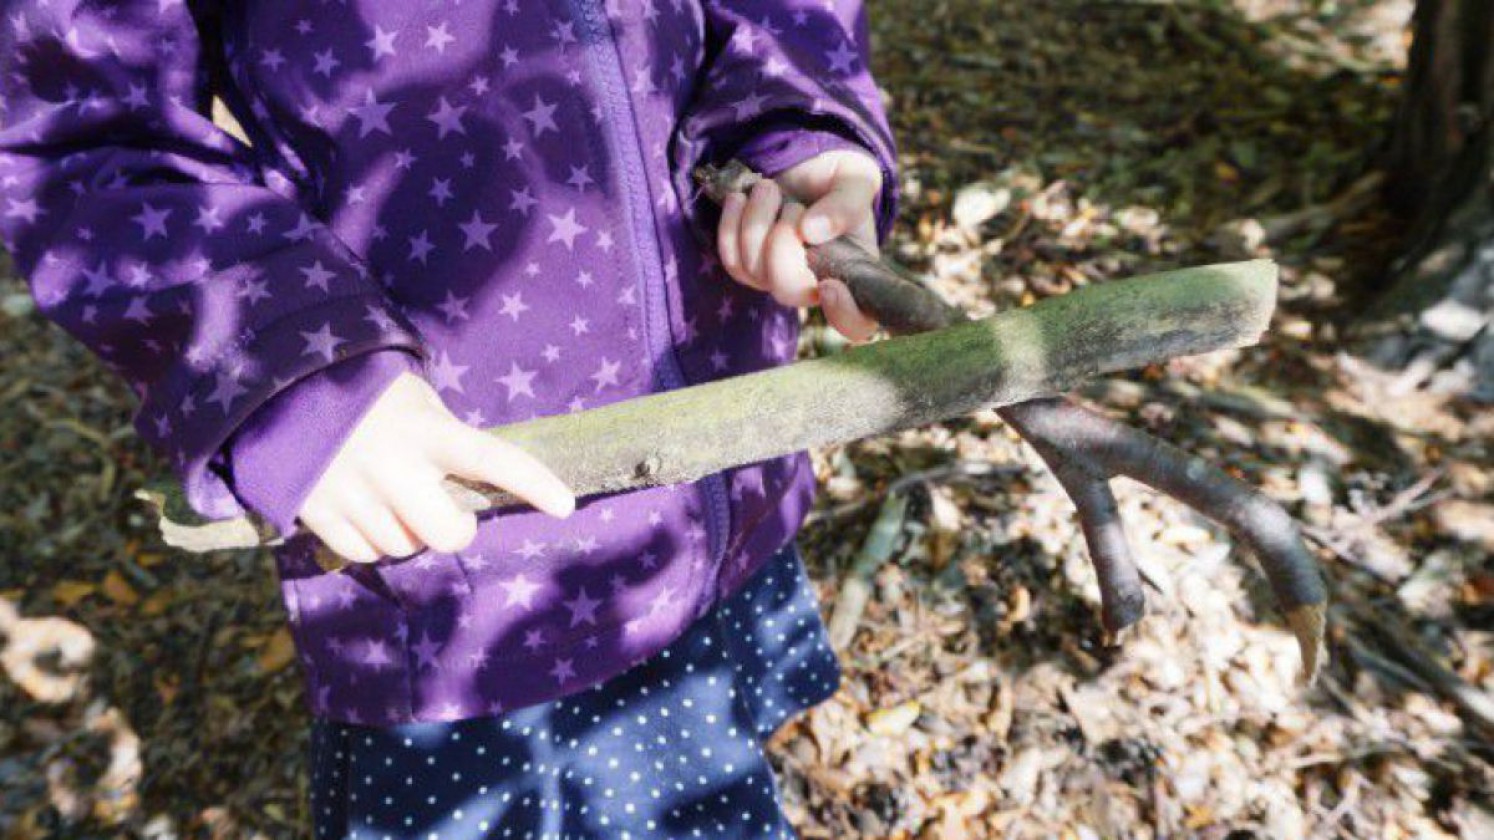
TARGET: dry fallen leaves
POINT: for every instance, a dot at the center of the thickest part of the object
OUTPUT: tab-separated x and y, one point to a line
978	701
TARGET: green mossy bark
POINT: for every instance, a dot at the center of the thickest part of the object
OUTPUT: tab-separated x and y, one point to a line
873	389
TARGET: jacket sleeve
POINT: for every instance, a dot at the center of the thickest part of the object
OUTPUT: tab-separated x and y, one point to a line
275	457
784	81
152	236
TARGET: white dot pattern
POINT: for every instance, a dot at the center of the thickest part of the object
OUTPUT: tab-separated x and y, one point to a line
671	748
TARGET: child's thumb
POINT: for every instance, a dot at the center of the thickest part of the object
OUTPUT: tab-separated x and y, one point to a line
839	211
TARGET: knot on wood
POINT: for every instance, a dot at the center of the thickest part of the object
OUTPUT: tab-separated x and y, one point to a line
717	182
648	468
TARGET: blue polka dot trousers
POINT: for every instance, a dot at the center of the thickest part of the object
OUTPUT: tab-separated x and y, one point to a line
672	748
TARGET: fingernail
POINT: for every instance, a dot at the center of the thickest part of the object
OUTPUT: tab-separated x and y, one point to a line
816	229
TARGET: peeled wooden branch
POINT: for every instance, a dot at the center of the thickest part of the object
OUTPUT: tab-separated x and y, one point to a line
1085	450
874	389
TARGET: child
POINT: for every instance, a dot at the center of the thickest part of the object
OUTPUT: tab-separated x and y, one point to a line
452	216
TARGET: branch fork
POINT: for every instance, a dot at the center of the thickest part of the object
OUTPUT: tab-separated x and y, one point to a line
1085	450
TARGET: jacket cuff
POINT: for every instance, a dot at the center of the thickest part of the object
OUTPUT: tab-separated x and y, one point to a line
784	145
275	457
779	144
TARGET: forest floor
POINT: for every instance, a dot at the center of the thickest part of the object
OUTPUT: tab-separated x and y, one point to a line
1044	146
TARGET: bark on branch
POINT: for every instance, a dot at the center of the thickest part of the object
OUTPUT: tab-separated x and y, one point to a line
874	389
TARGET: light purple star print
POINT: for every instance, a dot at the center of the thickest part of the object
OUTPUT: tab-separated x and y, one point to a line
492	195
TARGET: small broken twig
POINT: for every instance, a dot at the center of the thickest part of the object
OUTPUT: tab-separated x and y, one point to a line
856	589
1403	645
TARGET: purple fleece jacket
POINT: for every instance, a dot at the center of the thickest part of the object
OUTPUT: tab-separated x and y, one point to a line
491	194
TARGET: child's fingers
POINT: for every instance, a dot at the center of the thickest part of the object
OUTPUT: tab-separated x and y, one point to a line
473	453
842	312
785	266
763	204
382	527
340	535
427	509
728	237
843	208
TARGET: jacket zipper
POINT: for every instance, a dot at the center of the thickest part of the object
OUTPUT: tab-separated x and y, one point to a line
595	32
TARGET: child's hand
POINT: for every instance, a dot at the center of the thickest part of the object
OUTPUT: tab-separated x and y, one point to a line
762	235
381	494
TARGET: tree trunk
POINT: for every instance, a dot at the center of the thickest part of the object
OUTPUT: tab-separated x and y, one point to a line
1433	325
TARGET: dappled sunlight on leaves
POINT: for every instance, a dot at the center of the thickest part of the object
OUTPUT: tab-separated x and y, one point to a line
1046	146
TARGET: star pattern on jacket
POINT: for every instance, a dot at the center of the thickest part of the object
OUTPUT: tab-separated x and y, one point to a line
492	194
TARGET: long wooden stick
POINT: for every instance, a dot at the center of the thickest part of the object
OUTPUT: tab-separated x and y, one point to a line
874	389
